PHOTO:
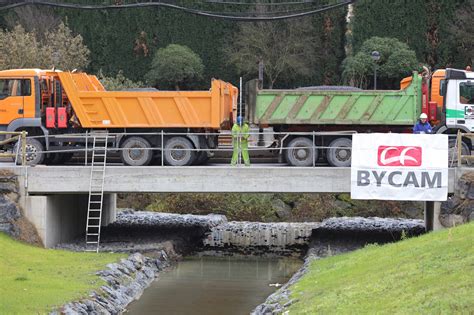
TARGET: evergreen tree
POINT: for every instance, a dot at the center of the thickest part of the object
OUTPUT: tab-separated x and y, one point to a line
422	24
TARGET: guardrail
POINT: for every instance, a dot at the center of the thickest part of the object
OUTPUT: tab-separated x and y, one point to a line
256	138
20	139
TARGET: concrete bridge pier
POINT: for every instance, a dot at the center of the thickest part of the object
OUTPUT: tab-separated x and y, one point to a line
432	211
62	217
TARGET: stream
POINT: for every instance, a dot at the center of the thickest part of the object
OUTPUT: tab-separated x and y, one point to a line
215	285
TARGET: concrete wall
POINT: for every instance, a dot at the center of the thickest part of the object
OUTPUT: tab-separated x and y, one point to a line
432	211
62	218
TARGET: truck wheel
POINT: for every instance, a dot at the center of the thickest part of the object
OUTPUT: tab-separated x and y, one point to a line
34	152
178	152
339	152
135	151
453	152
300	152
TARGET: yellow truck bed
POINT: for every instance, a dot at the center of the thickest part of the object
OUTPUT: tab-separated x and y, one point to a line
97	108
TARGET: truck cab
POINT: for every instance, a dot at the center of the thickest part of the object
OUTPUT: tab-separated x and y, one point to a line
458	92
19	99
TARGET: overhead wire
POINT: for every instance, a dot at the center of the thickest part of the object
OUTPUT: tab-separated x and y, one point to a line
227	16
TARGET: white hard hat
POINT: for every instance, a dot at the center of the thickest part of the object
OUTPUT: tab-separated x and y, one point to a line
423	116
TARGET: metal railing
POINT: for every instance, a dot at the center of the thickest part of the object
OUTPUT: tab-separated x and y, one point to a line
275	143
20	146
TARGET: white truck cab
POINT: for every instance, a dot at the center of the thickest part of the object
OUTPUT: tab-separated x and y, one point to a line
458	92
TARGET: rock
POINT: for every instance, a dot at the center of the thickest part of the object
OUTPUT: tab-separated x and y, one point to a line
8	229
274	236
281	209
9	211
450	205
451	220
470	218
8	187
373	225
128	218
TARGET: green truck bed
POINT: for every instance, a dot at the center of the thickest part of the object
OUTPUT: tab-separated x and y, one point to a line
332	107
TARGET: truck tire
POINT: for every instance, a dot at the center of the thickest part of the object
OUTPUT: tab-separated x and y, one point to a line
337	155
135	151
300	153
178	152
34	152
453	152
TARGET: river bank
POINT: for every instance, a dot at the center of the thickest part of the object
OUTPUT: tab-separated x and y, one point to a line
429	274
213	235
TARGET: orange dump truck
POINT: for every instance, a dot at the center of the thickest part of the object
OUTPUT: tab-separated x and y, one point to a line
52	103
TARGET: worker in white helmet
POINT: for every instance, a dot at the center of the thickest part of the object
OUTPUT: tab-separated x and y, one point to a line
422	125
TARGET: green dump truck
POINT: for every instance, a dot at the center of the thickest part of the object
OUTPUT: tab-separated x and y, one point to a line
328	116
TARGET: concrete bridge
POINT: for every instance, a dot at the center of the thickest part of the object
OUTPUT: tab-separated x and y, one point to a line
55	197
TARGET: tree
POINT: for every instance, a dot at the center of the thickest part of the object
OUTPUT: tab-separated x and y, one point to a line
19	49
176	66
461	29
58	48
396	60
118	83
37	19
423	25
285	48
64	50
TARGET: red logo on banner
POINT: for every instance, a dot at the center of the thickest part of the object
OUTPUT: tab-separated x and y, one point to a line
399	156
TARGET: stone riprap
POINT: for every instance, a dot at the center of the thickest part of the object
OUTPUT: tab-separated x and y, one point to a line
125	280
277	302
9	209
373	225
12	220
128	217
256	234
459	209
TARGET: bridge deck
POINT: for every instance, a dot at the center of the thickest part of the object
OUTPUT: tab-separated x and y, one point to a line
45	180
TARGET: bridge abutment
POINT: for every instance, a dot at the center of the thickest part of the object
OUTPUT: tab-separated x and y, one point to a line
62	217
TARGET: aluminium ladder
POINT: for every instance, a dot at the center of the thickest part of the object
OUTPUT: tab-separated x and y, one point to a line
96	191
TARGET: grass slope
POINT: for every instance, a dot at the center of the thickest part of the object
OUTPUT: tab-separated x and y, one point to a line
34	280
430	274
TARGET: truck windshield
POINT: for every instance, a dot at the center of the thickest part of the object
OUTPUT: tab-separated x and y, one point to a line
14	87
466	93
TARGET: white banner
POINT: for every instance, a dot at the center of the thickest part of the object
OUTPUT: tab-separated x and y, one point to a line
390	166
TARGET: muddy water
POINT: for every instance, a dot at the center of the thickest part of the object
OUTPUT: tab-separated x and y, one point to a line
212	285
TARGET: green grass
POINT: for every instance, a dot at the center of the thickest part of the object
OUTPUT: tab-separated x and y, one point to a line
430	274
34	280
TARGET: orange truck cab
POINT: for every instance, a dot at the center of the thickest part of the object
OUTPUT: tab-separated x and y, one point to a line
55	106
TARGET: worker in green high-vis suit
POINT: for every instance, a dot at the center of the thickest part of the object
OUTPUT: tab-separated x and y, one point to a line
240	142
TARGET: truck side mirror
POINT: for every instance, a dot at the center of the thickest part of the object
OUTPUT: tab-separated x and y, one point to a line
442	87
